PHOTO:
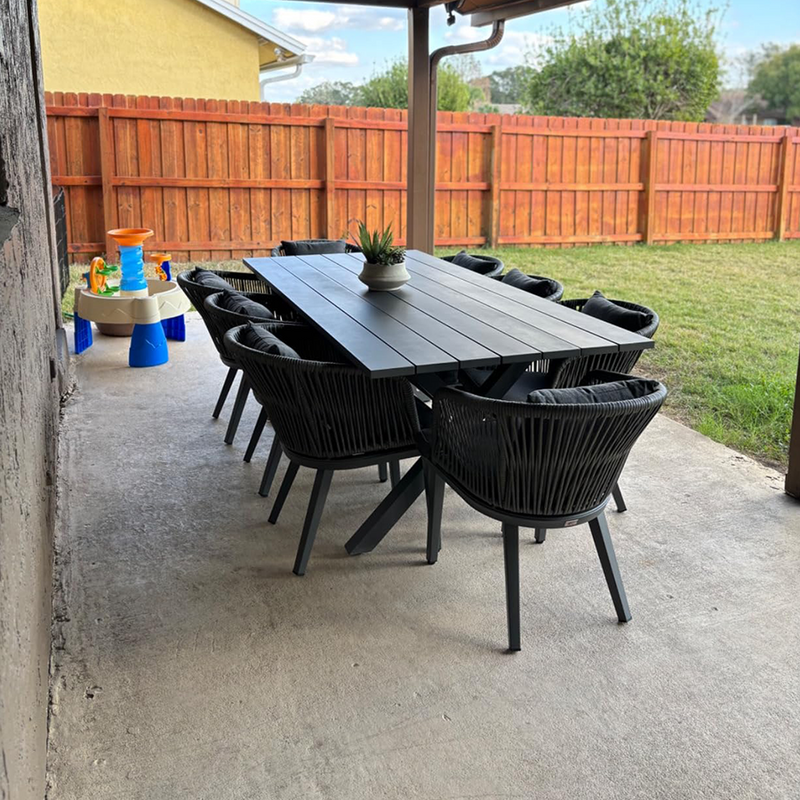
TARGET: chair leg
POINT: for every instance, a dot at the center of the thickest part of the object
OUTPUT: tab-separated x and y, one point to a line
605	552
283	492
540	536
434	497
257	431
223	395
315	505
238	407
511	559
394	472
275	453
619	500
383	472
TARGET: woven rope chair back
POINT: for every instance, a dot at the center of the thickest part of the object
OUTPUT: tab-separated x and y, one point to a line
219	320
244	282
320	407
536	460
572	371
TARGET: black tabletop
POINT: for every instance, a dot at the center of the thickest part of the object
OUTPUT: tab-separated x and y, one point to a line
444	318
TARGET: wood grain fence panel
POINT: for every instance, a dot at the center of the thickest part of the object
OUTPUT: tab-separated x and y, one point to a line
224	179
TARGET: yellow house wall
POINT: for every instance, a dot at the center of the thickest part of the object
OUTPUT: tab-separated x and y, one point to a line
152	47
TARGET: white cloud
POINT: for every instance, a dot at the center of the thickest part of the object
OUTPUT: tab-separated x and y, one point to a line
329	51
512	51
341	17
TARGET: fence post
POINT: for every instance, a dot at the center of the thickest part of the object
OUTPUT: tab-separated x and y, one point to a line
106	173
783	185
647	208
330	172
494	187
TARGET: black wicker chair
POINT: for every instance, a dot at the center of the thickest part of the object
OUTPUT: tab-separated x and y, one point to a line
348	248
256	289
494	266
220	321
534	466
554	297
326	414
571	371
564	373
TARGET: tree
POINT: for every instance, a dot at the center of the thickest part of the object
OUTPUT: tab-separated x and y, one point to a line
330	93
776	79
648	59
389	88
509	85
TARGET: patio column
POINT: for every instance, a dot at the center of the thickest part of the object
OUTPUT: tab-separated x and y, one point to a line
793	476
421	135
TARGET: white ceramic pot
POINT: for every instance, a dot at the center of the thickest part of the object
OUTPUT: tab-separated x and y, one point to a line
379	278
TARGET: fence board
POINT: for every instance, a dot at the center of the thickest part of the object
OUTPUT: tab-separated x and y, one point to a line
226	179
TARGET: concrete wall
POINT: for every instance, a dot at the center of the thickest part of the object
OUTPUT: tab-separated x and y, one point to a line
151	47
28	409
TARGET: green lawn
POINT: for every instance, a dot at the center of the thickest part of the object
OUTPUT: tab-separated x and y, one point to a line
727	347
728	343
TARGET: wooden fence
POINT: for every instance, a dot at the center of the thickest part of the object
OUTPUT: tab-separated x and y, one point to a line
226	179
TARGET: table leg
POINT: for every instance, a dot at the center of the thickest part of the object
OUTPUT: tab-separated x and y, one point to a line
386	515
412	484
502	378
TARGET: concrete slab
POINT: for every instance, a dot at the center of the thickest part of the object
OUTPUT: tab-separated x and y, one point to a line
191	663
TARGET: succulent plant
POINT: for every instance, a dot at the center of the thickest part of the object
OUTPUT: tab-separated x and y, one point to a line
377	246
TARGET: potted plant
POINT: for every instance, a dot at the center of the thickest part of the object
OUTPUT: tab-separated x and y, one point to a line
385	266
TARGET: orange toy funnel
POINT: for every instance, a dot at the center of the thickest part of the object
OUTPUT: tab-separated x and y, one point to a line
130	237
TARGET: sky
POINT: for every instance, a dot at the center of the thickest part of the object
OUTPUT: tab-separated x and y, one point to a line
351	42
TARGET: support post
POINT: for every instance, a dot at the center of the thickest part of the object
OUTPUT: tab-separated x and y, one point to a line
330	176
494	190
421	135
784	176
647	208
793	475
106	174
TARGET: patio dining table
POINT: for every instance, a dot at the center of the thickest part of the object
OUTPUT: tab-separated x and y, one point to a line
444	320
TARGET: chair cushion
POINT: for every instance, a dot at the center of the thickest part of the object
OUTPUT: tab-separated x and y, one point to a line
473	263
261	339
209	279
543	287
241	304
601	393
313	247
602	308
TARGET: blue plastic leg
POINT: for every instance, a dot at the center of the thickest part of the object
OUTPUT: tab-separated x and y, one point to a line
175	328
83	333
148	346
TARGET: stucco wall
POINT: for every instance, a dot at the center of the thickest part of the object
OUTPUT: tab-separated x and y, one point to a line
152	47
28	413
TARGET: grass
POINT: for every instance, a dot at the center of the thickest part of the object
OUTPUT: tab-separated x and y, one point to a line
727	346
728	343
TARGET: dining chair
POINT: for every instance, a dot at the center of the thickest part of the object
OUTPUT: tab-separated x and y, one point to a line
489	266
220	321
197	284
312	247
327	415
545	464
546	288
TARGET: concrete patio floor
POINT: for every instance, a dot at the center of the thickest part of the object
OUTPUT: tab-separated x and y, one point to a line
190	663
